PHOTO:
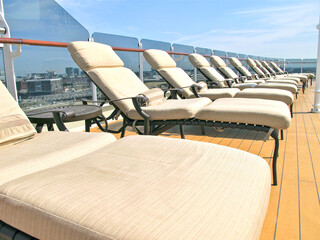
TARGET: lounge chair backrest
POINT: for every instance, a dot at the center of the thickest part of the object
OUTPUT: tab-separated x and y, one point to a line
259	65
275	66
217	62
14	124
255	68
266	65
238	65
167	68
201	63
106	70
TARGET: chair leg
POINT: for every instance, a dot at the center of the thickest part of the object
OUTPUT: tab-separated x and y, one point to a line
274	135
291	110
146	127
281	133
203	131
182	131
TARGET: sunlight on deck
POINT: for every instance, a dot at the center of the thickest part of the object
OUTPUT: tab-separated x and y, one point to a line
294	207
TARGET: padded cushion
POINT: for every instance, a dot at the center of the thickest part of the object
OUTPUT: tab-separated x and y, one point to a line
235	62
144	187
213	75
14	124
198	60
244	71
118	82
216	93
159	59
270	113
244	85
217	62
251	62
264	93
90	55
172	109
275	66
258	71
282	80
289	87
154	96
178	78
257	62
46	150
228	72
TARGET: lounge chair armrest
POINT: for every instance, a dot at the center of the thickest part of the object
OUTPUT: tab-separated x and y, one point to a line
137	102
230	82
212	84
174	91
243	79
285	72
195	88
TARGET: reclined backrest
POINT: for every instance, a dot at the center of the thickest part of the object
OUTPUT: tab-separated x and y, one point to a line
167	68
14	124
275	66
222	66
238	65
107	71
266	65
259	65
255	68
201	63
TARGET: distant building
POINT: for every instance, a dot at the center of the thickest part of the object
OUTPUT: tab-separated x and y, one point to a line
36	87
76	71
69	71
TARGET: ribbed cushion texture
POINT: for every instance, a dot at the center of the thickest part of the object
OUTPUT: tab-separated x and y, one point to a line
270	113
213	75
217	62
159	59
251	62
48	149
244	71
270	94
14	124
90	55
257	62
154	96
143	187
275	66
266	65
258	71
198	60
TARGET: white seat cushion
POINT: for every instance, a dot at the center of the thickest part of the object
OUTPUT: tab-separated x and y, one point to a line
270	113
144	187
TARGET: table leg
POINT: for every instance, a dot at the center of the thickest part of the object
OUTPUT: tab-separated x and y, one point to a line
88	125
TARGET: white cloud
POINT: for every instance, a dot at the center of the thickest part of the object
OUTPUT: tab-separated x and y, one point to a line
277	31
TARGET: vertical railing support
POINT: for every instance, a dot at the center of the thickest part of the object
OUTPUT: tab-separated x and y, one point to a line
8	57
316	105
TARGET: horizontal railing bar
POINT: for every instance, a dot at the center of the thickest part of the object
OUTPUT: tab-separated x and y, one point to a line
64	44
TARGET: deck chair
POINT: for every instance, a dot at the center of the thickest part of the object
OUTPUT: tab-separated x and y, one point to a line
89	186
245	72
123	89
302	76
229	73
262	72
212	75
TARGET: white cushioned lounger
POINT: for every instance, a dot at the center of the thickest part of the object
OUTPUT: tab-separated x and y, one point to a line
229	73
199	62
67	186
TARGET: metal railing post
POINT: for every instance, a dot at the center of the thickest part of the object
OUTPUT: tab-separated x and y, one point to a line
140	63
316	105
8	56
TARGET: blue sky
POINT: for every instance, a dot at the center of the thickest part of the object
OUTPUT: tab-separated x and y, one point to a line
271	28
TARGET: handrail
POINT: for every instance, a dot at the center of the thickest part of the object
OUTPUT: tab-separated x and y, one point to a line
64	45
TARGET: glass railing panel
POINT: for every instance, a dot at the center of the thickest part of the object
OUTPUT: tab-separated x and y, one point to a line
46	75
203	51
183	61
293	65
2	69
280	62
150	76
130	59
309	65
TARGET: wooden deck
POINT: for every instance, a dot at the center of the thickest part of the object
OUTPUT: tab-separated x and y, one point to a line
294	207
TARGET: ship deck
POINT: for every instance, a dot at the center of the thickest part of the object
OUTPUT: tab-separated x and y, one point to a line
294	207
